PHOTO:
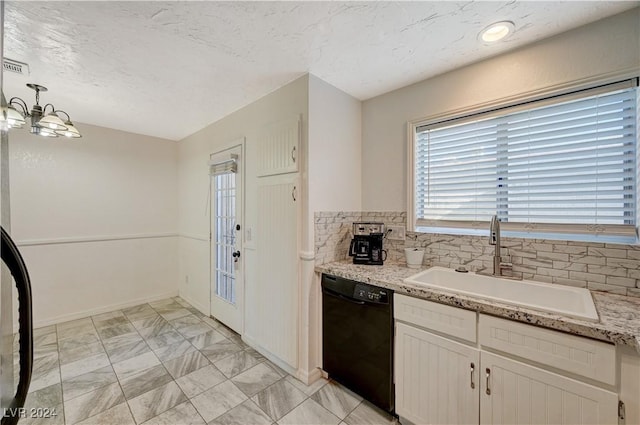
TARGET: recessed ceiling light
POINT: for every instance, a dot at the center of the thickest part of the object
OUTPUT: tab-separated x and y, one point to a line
497	31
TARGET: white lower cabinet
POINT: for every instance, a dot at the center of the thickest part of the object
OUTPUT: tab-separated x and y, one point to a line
516	393
436	379
442	381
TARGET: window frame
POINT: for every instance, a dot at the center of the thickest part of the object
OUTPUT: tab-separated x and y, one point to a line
495	107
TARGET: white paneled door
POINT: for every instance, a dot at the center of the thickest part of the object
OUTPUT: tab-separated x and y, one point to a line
276	291
436	378
227	277
515	393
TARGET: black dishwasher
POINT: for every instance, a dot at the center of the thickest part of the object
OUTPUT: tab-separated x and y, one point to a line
357	338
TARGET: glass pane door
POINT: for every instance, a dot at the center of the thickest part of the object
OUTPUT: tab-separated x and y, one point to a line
227	273
225	236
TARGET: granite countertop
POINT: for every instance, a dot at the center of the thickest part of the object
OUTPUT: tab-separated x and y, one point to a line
619	315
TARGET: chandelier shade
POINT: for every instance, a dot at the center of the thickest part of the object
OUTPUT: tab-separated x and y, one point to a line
70	132
43	131
14	118
52	121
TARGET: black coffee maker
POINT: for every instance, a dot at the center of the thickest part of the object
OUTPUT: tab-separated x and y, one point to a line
366	245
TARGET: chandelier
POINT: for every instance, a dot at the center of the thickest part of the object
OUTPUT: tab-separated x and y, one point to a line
16	111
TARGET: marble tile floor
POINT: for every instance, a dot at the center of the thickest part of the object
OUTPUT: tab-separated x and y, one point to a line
166	363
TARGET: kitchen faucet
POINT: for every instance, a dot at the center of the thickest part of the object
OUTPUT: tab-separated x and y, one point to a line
494	239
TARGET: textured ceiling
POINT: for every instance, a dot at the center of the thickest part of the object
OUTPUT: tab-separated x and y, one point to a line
169	69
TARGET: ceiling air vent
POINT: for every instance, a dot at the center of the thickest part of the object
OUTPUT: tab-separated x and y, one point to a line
15	66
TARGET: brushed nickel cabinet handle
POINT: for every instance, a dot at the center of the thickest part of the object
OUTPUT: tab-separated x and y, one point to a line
293	154
293	193
473	368
488	391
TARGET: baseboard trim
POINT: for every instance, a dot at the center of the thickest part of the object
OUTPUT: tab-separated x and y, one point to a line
250	341
105	309
203	309
308	377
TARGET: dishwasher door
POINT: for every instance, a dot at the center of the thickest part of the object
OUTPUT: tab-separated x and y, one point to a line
357	338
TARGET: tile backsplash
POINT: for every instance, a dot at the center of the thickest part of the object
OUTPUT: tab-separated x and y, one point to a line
333	233
598	266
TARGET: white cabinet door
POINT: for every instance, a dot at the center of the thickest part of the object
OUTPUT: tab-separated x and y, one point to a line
279	148
515	393
274	298
436	379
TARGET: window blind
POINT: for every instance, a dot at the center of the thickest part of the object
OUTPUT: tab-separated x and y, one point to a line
565	164
223	166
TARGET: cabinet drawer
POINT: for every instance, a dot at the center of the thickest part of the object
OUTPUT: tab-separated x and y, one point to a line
438	317
579	355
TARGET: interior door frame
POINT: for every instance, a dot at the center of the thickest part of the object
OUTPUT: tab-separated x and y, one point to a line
240	283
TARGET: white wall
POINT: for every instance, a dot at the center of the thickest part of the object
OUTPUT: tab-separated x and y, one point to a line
193	178
334	184
95	219
335	155
601	50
